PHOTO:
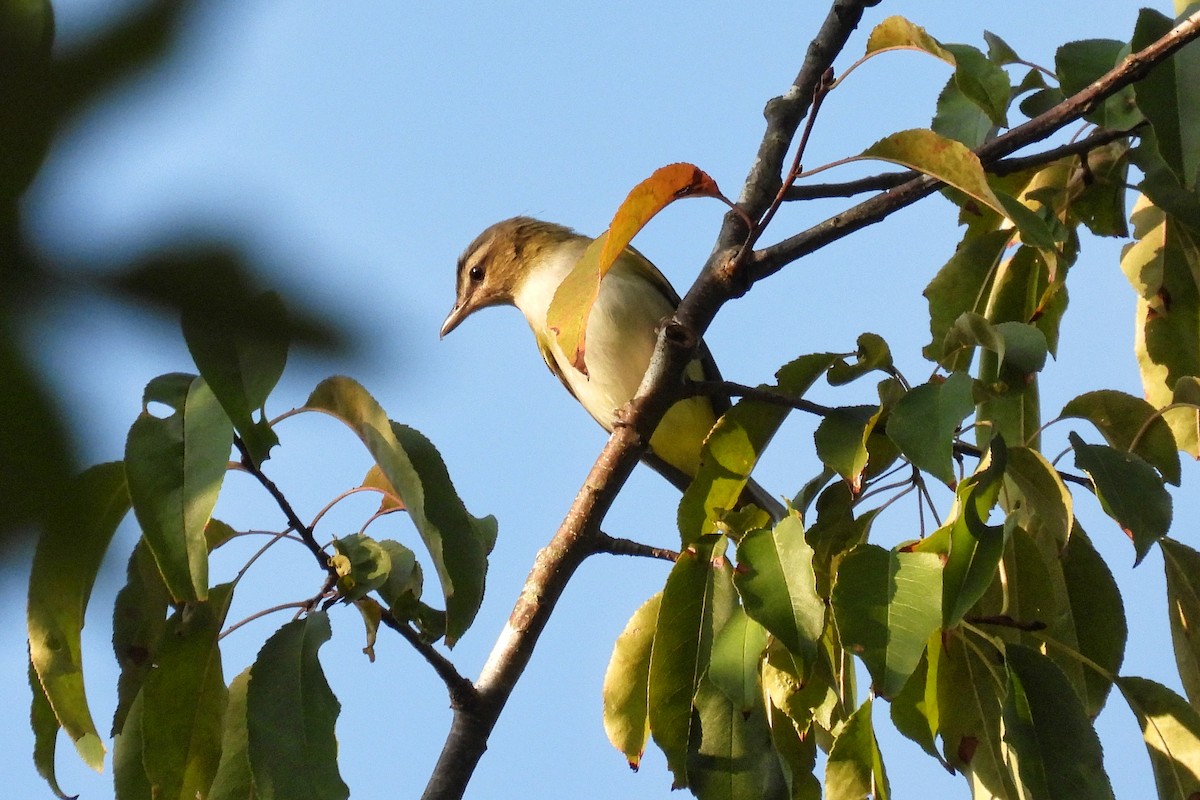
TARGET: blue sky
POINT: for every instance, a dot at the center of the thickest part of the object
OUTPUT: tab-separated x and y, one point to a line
357	148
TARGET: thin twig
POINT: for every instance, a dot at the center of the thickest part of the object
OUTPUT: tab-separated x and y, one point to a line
1005	621
618	546
300	604
765	395
462	691
289	513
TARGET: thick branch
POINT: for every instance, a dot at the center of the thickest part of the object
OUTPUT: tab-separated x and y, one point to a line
462	691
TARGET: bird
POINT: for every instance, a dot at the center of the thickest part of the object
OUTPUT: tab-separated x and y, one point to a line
522	261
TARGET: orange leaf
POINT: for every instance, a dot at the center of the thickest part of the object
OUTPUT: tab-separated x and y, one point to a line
572	304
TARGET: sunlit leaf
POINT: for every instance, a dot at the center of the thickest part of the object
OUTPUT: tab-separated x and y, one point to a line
855	766
290	716
925	421
183	702
1182	565
915	709
737	651
970	691
777	584
1046	500
887	604
681	650
1162	265
571	306
457	542
1171	729
1169	96
626	683
175	466
366	565
945	159
45	735
65	564
1129	491
1125	421
1056	751
841	441
871	353
835	532
982	81
959	287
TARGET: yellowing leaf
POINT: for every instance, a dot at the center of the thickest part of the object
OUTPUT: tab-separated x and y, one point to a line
945	159
572	303
897	33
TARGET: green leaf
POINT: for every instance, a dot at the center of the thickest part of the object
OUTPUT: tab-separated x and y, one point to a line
1018	345
727	458
855	766
887	604
1122	418
999	51
405	581
733	666
458	543
1171	729
68	556
777	584
1129	491
1047	505
1080	63
233	780
915	710
1186	420
129	771
872	353
959	287
241	352
733	759
945	159
362	565
681	651
960	118
970	689
1169	96
1097	617
1182	565
183	702
975	548
1056	750
982	81
841	441
175	466
1162	265
139	622
290	716
797	756
835	532
925	421
45	735
626	683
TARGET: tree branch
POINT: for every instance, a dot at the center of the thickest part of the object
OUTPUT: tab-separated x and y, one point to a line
617	546
731	389
1135	66
289	513
462	691
1005	166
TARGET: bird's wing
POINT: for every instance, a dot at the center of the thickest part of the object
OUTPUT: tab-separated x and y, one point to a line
548	356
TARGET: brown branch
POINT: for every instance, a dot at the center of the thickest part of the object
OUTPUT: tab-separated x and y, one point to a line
289	513
1004	166
617	546
1135	66
1005	621
576	537
765	395
723	278
462	691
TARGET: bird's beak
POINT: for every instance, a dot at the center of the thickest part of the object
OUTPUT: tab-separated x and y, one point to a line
456	316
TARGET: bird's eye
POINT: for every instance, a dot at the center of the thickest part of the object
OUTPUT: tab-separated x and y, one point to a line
476	273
